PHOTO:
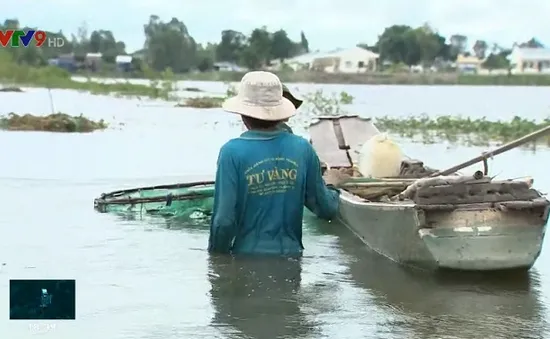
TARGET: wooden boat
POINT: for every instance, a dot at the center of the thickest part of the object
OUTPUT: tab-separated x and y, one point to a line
433	221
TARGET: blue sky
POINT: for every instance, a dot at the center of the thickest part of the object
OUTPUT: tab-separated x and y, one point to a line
328	24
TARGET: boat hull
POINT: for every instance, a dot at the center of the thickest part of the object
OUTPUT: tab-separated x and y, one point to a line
473	238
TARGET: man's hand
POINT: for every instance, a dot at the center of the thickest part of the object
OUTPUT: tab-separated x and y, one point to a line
336	177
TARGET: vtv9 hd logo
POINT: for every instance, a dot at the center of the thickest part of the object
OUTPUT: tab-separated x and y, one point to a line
18	38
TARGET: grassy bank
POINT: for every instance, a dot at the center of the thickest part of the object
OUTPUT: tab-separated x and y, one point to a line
478	132
13	75
385	78
58	122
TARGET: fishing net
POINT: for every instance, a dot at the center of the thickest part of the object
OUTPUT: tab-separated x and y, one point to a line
189	200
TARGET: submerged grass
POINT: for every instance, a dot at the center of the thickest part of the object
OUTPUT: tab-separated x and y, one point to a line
202	102
456	129
58	122
11	89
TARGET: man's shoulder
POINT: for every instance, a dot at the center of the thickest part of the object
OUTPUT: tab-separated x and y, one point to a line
299	144
298	140
231	143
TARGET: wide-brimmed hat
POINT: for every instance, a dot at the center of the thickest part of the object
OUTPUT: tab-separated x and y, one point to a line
295	101
260	96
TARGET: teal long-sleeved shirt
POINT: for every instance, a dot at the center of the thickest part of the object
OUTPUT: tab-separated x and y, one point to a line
263	182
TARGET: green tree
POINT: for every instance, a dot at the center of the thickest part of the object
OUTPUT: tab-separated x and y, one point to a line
412	49
303	42
532	43
169	45
258	50
391	43
206	55
497	60
411	46
458	45
231	46
81	41
480	49
104	42
281	45
428	43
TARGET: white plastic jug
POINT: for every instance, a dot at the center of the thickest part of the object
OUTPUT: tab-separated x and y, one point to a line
380	157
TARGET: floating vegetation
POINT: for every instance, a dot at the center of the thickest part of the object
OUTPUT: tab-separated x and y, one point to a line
11	89
426	129
58	122
231	90
321	104
202	102
191	89
456	129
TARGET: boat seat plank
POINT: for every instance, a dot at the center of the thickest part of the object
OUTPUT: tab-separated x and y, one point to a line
323	140
355	131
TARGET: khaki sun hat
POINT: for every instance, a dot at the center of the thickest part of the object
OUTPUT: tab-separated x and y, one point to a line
260	96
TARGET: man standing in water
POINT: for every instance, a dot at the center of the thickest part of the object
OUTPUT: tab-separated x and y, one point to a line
266	177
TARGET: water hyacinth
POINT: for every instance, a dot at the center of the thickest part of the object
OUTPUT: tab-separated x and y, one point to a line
58	122
464	130
453	129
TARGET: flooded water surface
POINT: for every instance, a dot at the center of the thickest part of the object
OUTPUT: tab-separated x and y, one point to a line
152	278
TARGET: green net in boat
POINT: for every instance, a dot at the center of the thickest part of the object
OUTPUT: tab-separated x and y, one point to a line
191	200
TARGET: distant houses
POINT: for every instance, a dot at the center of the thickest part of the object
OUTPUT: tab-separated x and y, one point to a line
468	63
124	63
92	62
226	66
350	60
355	60
65	61
529	60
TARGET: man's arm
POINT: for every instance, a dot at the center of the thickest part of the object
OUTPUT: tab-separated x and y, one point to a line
223	227
320	199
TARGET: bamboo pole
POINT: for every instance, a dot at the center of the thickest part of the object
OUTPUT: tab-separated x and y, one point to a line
504	148
52	106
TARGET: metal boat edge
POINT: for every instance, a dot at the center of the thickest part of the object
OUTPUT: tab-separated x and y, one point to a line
466	238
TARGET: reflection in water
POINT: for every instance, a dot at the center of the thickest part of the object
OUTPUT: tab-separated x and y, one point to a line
258	297
447	304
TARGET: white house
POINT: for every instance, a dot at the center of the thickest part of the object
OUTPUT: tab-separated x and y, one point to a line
124	62
225	66
468	64
123	59
351	60
529	60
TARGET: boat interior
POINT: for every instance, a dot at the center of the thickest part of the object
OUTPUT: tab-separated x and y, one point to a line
338	139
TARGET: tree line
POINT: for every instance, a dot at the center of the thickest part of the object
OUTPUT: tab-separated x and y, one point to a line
170	45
